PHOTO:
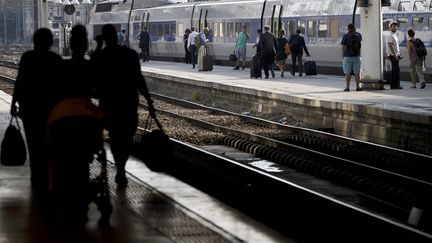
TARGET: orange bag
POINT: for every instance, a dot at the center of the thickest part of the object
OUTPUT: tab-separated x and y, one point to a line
287	49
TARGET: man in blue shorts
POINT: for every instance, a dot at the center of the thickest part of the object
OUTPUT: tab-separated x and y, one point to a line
351	45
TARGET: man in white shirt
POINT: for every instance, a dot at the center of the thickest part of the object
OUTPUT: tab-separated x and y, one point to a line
393	54
191	46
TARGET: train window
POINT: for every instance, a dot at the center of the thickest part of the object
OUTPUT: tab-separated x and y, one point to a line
238	28
334	28
419	6
221	29
301	25
291	27
311	28
419	23
248	30
160	30
215	28
403	6
230	27
430	21
181	29
167	30
173	29
403	23
322	28
153	29
430	6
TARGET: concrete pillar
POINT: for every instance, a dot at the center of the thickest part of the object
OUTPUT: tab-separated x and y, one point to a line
42	13
371	51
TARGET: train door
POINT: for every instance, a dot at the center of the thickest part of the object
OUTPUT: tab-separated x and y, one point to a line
276	23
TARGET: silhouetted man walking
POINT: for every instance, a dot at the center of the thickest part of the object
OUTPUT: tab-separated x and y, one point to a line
120	80
38	71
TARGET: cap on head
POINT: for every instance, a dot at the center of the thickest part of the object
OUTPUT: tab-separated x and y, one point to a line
266	27
392	23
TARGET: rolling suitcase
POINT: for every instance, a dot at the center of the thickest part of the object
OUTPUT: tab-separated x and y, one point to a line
255	67
207	61
310	67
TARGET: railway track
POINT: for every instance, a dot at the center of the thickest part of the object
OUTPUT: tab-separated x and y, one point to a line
380	185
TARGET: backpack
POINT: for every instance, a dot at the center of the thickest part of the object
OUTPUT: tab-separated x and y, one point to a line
354	43
420	48
293	42
197	41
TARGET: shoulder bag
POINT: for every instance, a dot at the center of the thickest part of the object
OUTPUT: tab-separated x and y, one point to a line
13	148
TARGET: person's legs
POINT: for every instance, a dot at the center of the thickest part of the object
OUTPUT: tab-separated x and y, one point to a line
356	64
293	60
300	64
193	55
395	82
419	72
413	74
347	67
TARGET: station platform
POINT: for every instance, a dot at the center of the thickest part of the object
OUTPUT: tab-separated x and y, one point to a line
153	208
396	118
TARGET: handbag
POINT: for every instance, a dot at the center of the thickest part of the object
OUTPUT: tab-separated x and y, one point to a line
233	57
154	147
287	49
13	148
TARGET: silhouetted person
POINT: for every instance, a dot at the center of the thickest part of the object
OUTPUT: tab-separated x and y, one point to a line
38	71
98	50
188	58
144	44
297	45
121	79
75	134
268	47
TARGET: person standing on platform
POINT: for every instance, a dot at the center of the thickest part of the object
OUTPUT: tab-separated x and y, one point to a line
268	46
38	71
191	46
281	55
416	62
241	48
120	79
201	50
75	135
144	44
297	45
351	45
393	54
187	52
121	37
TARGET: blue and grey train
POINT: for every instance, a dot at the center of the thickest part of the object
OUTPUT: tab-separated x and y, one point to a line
323	23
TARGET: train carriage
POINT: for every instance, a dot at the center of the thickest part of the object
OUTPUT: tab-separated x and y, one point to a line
323	23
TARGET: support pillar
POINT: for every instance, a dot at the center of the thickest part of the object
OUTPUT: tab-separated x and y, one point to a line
42	7
371	51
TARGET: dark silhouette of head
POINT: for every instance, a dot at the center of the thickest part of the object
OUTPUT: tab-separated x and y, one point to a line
192	29
42	39
187	31
99	40
109	34
78	41
298	31
351	27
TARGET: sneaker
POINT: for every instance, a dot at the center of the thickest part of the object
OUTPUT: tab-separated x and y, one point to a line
423	85
243	67
273	75
292	73
236	68
398	87
359	89
413	87
300	74
346	90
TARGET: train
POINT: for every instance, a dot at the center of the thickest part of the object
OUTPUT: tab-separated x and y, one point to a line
323	24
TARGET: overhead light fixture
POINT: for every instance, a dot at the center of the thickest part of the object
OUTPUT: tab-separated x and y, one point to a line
86	2
66	2
75	2
57	2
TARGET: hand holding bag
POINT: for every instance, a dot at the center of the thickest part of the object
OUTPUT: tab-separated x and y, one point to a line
13	148
233	57
154	147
